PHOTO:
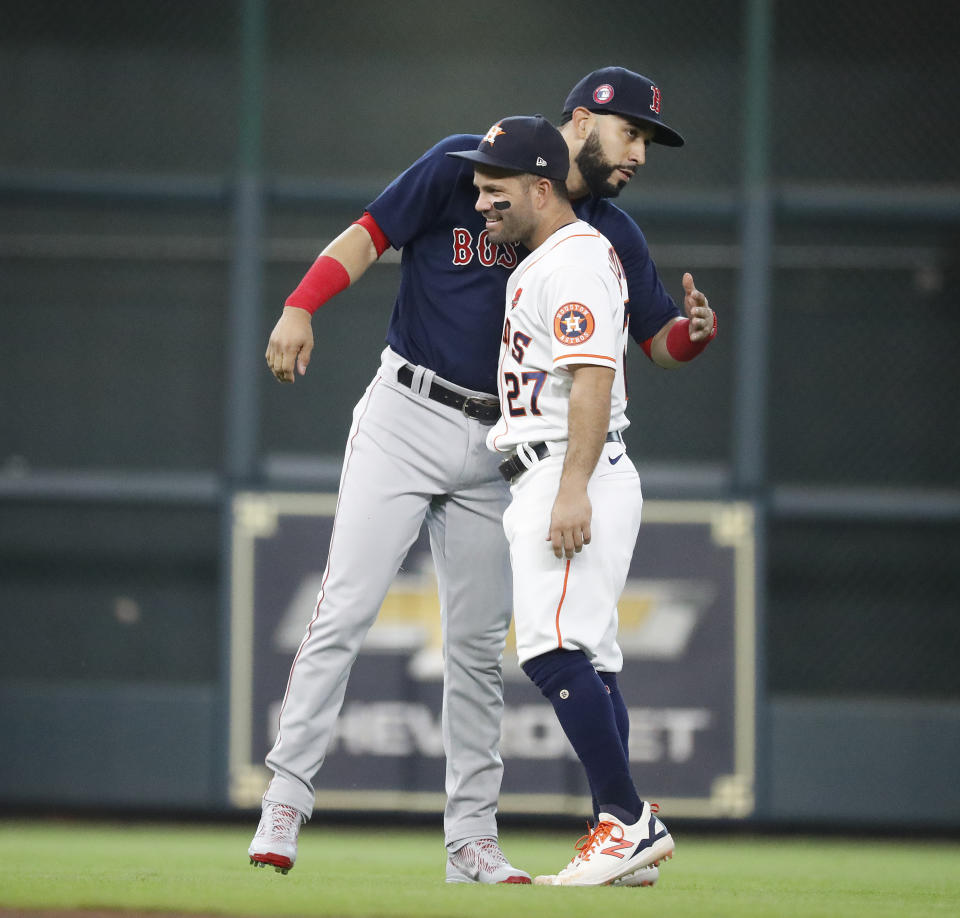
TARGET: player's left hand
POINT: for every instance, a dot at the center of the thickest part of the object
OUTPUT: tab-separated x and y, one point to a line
698	310
570	524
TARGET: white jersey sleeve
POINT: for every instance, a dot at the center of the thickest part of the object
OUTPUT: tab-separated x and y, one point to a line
581	309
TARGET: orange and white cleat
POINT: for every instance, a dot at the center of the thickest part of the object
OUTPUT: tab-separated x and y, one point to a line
645	876
614	850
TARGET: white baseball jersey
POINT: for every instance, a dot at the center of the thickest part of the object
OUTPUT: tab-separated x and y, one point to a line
565	306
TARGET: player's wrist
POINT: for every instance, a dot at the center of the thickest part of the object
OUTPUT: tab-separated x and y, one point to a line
573	483
323	281
679	345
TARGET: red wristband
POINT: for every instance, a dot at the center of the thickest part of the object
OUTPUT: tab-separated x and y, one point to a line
679	345
377	235
325	279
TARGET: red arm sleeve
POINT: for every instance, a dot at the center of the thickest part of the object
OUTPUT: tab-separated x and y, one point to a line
377	235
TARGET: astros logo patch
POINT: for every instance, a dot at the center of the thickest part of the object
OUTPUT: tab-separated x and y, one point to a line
573	323
603	93
493	134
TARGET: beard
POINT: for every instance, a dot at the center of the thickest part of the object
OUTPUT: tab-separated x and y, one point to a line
514	226
512	233
596	169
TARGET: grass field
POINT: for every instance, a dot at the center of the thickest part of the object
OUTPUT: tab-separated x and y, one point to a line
203	869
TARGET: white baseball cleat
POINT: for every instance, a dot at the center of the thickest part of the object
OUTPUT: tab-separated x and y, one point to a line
275	843
613	850
482	861
645	876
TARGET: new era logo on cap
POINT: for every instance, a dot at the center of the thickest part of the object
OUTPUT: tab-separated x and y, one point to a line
541	161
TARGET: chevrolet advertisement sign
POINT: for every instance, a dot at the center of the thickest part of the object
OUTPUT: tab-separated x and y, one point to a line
687	633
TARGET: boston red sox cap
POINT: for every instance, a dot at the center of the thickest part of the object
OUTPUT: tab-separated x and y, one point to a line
623	92
523	143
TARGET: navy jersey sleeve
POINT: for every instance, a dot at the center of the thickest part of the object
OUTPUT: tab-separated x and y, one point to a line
651	307
415	199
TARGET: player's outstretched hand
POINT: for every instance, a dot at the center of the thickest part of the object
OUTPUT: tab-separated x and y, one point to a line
570	524
290	345
697	309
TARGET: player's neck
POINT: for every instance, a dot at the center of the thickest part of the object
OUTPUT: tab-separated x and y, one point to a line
576	184
561	216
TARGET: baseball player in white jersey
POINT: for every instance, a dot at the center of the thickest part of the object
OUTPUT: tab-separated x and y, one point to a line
562	398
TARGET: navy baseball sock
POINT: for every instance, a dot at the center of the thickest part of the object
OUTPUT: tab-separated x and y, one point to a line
580	699
619	710
623	723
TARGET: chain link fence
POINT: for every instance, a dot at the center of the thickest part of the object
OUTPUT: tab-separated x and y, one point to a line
863	93
122	127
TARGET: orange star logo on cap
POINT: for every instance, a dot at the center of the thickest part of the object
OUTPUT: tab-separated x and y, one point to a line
493	134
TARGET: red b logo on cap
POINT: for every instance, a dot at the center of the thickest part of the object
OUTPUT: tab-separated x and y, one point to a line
603	94
655	104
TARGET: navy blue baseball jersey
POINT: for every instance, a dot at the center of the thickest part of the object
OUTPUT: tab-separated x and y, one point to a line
448	314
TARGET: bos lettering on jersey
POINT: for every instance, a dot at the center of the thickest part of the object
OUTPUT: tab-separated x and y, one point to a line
488	253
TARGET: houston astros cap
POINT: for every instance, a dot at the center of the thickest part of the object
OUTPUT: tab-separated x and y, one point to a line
523	143
623	92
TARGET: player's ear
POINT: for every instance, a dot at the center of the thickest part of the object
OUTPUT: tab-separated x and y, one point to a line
544	190
582	119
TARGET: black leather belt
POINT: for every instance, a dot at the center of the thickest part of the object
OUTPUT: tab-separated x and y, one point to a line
513	467
484	410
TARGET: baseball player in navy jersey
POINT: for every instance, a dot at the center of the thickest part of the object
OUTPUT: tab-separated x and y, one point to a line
563	398
416	451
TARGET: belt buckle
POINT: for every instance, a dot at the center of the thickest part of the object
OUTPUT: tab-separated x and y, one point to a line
482	403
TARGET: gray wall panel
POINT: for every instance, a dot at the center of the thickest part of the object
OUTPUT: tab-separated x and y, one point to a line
866	761
121	744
